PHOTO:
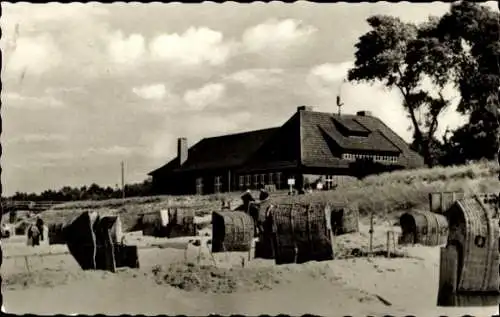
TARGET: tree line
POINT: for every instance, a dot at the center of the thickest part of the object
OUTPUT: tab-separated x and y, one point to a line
460	49
92	192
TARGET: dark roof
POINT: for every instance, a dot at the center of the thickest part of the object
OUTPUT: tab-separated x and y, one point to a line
220	152
308	138
324	133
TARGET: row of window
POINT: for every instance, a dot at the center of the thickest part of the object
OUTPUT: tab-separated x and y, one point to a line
260	179
244	181
376	158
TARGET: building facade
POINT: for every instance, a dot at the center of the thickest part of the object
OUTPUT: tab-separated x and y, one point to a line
307	146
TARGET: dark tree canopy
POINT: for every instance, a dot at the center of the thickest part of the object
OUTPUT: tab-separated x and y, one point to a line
460	49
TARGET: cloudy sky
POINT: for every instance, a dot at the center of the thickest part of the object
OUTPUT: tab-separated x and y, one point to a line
86	86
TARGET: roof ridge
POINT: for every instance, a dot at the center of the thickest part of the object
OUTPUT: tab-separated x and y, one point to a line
238	133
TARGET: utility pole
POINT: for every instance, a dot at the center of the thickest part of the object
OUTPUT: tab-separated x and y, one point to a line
123	179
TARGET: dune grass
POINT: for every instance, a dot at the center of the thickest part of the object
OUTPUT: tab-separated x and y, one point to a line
408	189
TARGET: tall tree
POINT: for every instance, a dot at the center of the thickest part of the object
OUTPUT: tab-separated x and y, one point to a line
410	59
474	32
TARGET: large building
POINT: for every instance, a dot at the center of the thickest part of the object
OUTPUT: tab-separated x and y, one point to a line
309	144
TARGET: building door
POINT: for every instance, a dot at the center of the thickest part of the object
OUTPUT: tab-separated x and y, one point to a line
279	180
241	182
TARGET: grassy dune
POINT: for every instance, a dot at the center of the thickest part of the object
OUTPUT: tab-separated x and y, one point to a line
404	190
382	194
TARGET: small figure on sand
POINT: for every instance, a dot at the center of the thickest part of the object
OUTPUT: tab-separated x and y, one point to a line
33	236
40	224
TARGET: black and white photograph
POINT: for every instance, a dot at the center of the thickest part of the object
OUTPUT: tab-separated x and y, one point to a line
250	159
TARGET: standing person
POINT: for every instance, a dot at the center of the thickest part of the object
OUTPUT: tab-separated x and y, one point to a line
261	213
33	236
40	224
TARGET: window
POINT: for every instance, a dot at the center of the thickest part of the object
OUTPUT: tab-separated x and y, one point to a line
199	186
241	181
256	180
329	181
278	180
217	184
270	179
377	158
247	180
263	179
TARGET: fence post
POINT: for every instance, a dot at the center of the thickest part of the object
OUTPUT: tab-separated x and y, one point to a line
27	264
371	232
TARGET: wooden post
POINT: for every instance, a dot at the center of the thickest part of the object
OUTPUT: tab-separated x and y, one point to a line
332	238
228	181
442	202
252	245
292	224
388	244
123	179
27	264
371	232
199	252
394	241
329	229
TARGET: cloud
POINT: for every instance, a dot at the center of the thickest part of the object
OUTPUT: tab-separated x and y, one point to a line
64	90
50	12
126	50
276	35
330	73
16	100
162	143
163	146
195	46
199	99
114	150
214	125
36	138
34	55
256	77
152	92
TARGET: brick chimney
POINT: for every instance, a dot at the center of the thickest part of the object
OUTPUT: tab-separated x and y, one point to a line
304	108
182	150
364	113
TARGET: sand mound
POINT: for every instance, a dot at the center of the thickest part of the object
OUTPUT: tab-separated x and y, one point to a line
210	279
